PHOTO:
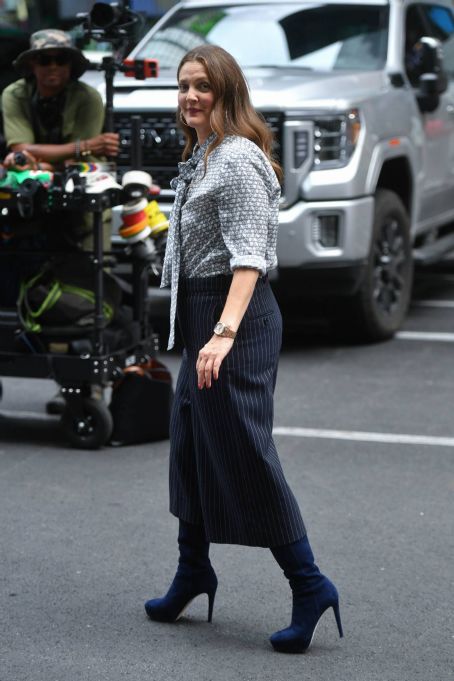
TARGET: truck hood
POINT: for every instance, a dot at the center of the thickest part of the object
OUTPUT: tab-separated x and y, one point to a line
276	88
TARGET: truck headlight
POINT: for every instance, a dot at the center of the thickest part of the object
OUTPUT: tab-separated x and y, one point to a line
335	139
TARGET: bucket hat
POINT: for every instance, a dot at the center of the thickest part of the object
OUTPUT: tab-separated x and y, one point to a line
51	39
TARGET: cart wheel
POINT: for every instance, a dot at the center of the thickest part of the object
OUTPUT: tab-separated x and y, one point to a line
93	429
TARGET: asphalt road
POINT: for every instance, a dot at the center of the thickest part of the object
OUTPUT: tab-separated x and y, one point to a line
366	438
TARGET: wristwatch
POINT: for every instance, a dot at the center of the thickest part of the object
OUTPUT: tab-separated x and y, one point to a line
224	330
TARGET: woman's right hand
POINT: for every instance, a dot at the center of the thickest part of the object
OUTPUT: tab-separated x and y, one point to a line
210	359
106	144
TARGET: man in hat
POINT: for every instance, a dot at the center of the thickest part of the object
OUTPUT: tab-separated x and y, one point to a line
52	118
49	115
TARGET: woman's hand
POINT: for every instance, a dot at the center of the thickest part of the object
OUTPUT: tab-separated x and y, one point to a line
210	359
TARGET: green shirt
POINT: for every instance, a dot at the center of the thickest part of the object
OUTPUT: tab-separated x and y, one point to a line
83	114
83	117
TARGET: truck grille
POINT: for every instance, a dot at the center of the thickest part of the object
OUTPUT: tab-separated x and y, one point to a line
162	142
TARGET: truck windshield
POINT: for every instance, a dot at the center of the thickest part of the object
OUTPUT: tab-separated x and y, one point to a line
316	36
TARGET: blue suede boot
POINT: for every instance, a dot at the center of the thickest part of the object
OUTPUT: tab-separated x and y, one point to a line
313	593
194	576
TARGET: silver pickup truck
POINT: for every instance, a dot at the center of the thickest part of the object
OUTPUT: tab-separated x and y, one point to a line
360	96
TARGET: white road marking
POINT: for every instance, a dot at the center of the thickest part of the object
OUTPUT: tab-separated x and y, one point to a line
360	436
438	336
352	435
433	303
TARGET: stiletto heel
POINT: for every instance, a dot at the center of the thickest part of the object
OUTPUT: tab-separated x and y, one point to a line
338	619
211	596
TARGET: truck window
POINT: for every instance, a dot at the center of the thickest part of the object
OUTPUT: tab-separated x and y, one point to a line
316	36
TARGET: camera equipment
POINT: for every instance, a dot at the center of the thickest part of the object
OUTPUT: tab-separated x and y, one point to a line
142	221
20	159
115	23
110	22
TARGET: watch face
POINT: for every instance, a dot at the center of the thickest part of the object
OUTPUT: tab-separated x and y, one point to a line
219	328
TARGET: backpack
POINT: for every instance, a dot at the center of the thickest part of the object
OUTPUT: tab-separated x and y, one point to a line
62	295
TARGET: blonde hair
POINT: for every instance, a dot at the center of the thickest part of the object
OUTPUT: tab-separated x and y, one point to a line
233	113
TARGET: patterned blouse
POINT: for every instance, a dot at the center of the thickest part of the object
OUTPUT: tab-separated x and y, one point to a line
223	217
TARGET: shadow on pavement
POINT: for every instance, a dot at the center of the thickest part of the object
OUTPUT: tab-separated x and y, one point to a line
45	431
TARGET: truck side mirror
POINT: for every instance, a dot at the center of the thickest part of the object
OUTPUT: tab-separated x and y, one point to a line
433	80
428	95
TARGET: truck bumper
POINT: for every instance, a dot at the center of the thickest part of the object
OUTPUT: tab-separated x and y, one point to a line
319	282
323	246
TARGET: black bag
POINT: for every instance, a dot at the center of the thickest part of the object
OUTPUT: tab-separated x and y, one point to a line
141	403
61	294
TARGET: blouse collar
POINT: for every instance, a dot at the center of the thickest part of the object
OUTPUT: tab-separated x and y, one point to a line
186	169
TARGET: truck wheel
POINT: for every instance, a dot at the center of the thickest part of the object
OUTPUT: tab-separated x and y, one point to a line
92	429
380	306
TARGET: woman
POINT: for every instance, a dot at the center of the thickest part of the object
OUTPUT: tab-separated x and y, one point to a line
226	481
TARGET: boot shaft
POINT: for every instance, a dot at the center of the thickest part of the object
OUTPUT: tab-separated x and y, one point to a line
298	565
193	546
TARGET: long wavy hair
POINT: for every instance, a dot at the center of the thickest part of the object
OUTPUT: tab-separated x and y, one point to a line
233	113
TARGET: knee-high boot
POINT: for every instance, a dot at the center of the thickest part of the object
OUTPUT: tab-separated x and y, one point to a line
194	576
313	593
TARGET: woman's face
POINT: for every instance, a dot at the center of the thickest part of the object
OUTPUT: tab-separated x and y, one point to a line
196	98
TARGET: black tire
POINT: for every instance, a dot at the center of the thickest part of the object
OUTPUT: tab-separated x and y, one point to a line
93	429
379	308
1	390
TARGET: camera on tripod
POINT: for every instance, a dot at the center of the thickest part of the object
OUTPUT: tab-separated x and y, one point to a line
143	222
115	23
110	22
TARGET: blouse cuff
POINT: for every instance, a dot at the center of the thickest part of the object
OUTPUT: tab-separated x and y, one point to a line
253	261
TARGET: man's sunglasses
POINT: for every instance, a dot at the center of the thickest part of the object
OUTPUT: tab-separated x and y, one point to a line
60	59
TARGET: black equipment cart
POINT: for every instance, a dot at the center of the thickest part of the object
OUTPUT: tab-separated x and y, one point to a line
86	421
96	361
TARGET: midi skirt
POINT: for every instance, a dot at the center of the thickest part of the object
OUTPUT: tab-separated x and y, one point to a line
225	472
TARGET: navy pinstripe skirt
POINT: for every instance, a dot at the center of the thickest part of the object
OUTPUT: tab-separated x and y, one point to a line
224	469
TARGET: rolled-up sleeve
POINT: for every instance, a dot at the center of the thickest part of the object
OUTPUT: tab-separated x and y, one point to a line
244	210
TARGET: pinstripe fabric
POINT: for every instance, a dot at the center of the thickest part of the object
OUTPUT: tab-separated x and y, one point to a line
224	468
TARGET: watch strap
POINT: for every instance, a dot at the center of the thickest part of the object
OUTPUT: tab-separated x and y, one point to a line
224	330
